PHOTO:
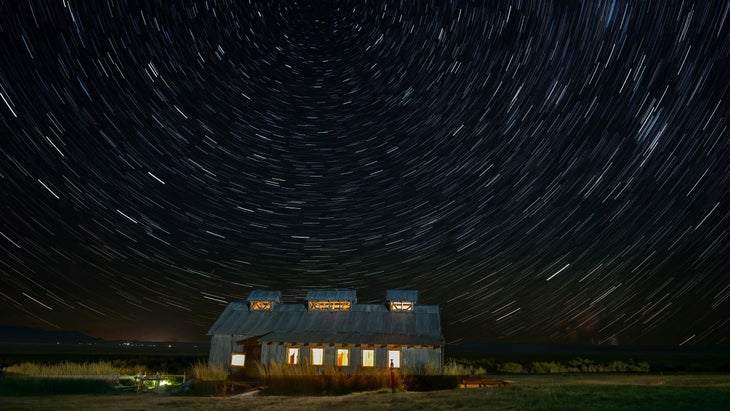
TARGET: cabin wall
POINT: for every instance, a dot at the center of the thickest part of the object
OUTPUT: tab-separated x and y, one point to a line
220	350
416	359
422	360
273	353
222	346
252	349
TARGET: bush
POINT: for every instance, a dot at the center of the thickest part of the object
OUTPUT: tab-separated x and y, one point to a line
456	368
548	368
630	366
578	365
511	368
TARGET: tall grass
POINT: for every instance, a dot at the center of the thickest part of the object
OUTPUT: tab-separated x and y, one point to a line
203	371
306	379
29	378
71	369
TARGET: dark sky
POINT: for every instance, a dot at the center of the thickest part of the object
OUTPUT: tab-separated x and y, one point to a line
544	171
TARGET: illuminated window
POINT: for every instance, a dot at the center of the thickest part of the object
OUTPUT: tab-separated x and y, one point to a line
238	360
343	357
292	355
401	306
317	356
368	358
260	305
393	359
330	305
340	305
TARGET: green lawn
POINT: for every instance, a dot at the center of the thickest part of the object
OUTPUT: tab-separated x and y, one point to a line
529	392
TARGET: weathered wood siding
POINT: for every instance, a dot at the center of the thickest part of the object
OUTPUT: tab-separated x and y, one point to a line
419	360
221	348
416	360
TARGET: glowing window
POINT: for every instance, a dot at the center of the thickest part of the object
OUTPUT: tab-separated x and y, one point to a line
260	305
401	306
343	357
340	305
317	356
368	358
292	355
393	359
330	305
238	360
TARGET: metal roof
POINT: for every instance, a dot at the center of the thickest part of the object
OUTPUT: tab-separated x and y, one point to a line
265	295
363	324
332	295
401	295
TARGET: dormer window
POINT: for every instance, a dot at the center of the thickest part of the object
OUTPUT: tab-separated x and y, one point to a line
260	305
331	300
330	305
263	300
403	301
401	306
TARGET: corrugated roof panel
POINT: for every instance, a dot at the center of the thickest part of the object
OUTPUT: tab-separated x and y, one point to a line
351	338
401	295
332	295
265	295
364	323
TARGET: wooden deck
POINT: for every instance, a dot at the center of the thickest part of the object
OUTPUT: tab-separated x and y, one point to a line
483	382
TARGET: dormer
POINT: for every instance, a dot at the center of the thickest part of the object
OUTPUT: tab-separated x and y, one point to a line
331	300
263	300
401	300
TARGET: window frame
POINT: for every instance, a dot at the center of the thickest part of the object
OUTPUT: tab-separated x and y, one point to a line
238	356
314	357
329	305
397	357
402	306
346	362
364	357
259	305
295	352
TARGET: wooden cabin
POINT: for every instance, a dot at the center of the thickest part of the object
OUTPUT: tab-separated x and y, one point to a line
330	330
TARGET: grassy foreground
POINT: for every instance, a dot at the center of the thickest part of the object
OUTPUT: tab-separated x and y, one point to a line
530	392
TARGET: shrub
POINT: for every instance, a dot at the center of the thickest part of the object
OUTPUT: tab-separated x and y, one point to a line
630	366
455	368
511	368
548	368
582	365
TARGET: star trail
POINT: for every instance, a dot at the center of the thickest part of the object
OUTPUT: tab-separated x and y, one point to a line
545	171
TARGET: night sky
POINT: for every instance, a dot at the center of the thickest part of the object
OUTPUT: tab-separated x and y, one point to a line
545	171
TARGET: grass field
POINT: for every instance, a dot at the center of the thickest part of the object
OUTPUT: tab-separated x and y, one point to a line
529	392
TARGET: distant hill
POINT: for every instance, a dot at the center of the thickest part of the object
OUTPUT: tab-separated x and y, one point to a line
27	335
